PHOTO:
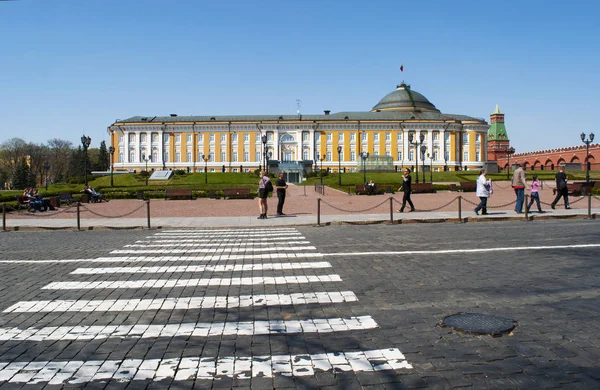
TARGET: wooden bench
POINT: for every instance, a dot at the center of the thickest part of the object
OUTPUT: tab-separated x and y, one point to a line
23	203
171	193
575	189
361	190
242	193
468	186
421	188
66	198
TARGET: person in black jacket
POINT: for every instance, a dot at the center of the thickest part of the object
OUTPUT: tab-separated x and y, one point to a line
406	188
281	187
561	188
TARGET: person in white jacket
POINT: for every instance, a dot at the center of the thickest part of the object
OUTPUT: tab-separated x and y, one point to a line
483	192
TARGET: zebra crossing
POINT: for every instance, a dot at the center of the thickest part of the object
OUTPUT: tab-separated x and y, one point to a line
257	270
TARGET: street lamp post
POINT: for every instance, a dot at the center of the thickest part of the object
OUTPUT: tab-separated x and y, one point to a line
146	159
430	156
85	141
111	150
364	156
508	151
423	152
416	145
205	158
339	149
445	161
264	142
587	143
46	170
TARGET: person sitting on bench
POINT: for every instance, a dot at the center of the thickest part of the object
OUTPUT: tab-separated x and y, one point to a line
370	187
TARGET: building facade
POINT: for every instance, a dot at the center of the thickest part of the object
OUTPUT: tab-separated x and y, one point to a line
331	140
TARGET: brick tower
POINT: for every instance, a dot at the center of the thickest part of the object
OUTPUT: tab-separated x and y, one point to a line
498	144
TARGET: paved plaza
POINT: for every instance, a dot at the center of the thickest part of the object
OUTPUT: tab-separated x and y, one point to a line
300	307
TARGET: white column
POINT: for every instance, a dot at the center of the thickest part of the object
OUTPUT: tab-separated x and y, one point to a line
138	146
277	146
160	147
443	144
125	145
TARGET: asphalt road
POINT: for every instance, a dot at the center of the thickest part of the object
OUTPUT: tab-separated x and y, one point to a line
400	282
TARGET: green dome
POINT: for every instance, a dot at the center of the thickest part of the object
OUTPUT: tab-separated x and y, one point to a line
404	99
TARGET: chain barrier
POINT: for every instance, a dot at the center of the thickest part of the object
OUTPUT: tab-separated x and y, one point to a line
429	210
47	214
113	216
354	211
495	184
488	205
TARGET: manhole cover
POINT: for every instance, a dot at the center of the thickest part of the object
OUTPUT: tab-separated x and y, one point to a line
473	323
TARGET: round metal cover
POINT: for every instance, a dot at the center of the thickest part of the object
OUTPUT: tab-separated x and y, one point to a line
474	323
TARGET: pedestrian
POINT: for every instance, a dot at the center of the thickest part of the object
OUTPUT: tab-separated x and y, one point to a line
263	193
281	187
519	182
483	192
561	188
370	187
406	188
535	195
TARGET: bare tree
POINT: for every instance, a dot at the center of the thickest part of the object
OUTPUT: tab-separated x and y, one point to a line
60	153
11	153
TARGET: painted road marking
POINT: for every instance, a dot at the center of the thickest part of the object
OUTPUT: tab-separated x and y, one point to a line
170	283
203	268
220	302
214	257
208	250
191	368
230	230
218	244
220	239
198	329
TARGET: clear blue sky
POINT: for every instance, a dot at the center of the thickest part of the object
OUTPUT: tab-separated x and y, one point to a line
71	66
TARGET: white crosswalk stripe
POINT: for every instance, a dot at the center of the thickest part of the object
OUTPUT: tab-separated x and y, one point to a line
319	325
241	250
191	368
169	283
184	303
202	268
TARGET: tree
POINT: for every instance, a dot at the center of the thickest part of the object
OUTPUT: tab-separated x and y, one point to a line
22	177
11	153
60	154
77	165
103	158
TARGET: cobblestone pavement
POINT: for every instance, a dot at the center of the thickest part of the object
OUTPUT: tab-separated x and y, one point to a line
308	307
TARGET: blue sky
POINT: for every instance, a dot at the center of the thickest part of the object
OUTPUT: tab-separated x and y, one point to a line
72	66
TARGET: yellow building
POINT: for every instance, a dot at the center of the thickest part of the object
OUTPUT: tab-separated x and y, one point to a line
239	142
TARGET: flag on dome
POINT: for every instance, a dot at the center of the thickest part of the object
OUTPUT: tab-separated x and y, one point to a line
401	68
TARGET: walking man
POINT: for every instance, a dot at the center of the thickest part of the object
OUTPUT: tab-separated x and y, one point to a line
407	189
281	187
519	182
561	188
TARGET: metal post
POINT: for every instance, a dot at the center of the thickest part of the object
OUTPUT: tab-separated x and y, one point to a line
78	217
459	209
318	211
589	189
391	210
111	150
148	212
3	217
526	208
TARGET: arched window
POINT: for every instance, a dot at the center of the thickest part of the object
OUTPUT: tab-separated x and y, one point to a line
287	138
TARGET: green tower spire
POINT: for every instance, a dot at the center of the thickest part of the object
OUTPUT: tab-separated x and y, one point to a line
497	131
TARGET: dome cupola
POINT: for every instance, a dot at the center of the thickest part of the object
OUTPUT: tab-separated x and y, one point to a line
404	99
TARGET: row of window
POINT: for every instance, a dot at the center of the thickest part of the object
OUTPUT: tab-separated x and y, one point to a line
290	138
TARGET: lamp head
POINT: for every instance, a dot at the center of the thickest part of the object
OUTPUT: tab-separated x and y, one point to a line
422	137
264	139
410	137
591	137
339	149
582	135
111	149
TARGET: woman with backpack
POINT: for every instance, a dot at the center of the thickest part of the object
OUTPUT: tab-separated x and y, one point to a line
264	187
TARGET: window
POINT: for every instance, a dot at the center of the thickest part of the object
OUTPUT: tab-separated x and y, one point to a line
305	136
341	156
375	153
329	136
166	138
328	156
177	138
177	157
234	157
211	137
257	157
399	137
477	156
376	137
465	156
446	155
305	155
399	156
388	137
435	136
446	137
269	136
166	156
287	138
477	137
436	154
411	155
200	138
257	137
188	138
364	136
154	137
131	137
121	139
189	157
234	137
340	137
223	156
121	157
352	137
143	137
246	156
317	137
131	156
465	138
246	137
352	156
154	156
211	157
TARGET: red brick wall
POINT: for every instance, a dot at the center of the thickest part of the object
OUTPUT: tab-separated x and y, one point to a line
551	159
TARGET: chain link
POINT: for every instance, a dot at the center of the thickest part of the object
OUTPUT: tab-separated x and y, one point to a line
353	211
113	216
427	210
65	210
